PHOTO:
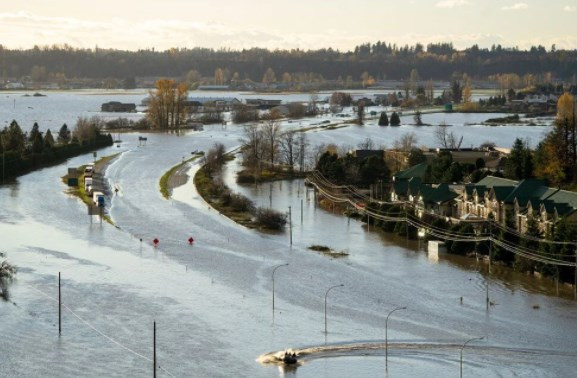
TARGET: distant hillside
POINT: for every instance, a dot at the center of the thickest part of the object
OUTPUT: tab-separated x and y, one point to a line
376	61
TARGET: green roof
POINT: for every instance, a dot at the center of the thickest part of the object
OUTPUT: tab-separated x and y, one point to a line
502	192
527	190
440	194
413	172
564	196
401	187
481	189
491	181
406	186
562	208
470	189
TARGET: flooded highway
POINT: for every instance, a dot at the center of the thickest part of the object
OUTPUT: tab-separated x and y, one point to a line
212	301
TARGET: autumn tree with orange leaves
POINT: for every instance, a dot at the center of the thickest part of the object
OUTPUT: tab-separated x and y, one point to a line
556	155
166	109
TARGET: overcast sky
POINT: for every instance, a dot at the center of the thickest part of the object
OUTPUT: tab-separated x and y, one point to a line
306	24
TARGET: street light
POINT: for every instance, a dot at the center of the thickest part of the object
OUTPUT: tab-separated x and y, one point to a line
273	271
387	336
463	347
327	293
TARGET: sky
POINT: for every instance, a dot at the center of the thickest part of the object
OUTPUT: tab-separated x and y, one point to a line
274	24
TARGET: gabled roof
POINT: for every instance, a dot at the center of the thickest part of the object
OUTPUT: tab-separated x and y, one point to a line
471	188
406	187
527	190
414	171
438	194
564	196
502	192
561	208
480	189
491	181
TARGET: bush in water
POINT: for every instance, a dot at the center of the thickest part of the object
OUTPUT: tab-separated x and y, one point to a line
270	219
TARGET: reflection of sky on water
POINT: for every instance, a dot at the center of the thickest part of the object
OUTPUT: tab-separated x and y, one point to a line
212	301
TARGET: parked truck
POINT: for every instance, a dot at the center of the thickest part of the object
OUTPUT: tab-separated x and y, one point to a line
98	199
88	184
89	170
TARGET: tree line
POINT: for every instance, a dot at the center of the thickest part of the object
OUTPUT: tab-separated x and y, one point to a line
365	63
22	152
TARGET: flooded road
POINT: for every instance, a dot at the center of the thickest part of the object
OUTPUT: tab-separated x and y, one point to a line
213	301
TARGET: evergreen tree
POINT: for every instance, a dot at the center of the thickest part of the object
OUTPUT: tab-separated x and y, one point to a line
38	144
514	165
384	120
14	138
453	174
34	132
456	91
416	156
527	164
440	166
48	139
373	169
395	120
64	135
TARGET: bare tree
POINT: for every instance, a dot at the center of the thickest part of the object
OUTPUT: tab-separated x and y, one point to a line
288	148
252	146
447	139
367	144
302	150
314	98
406	142
271	132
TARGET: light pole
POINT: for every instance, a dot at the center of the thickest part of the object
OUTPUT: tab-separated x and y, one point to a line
3	157
273	272
463	347
387	335
327	293
290	225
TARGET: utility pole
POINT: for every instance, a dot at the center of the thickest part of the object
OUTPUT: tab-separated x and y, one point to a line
490	245
154	350
3	158
59	308
487	296
302	219
290	226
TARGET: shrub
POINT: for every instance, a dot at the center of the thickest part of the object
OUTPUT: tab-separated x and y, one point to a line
270	219
240	203
7	273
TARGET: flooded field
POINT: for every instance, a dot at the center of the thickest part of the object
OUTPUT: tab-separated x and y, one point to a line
212	301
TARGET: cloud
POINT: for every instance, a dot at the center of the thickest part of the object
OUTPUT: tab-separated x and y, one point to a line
451	3
515	7
25	30
570	8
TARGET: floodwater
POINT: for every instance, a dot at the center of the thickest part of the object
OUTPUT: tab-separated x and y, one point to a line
212	301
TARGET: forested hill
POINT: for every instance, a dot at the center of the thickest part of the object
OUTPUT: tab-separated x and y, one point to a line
379	60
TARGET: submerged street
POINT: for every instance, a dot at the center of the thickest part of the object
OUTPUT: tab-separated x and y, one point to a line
212	301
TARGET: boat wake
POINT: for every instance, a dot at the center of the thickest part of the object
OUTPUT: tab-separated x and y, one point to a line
378	349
